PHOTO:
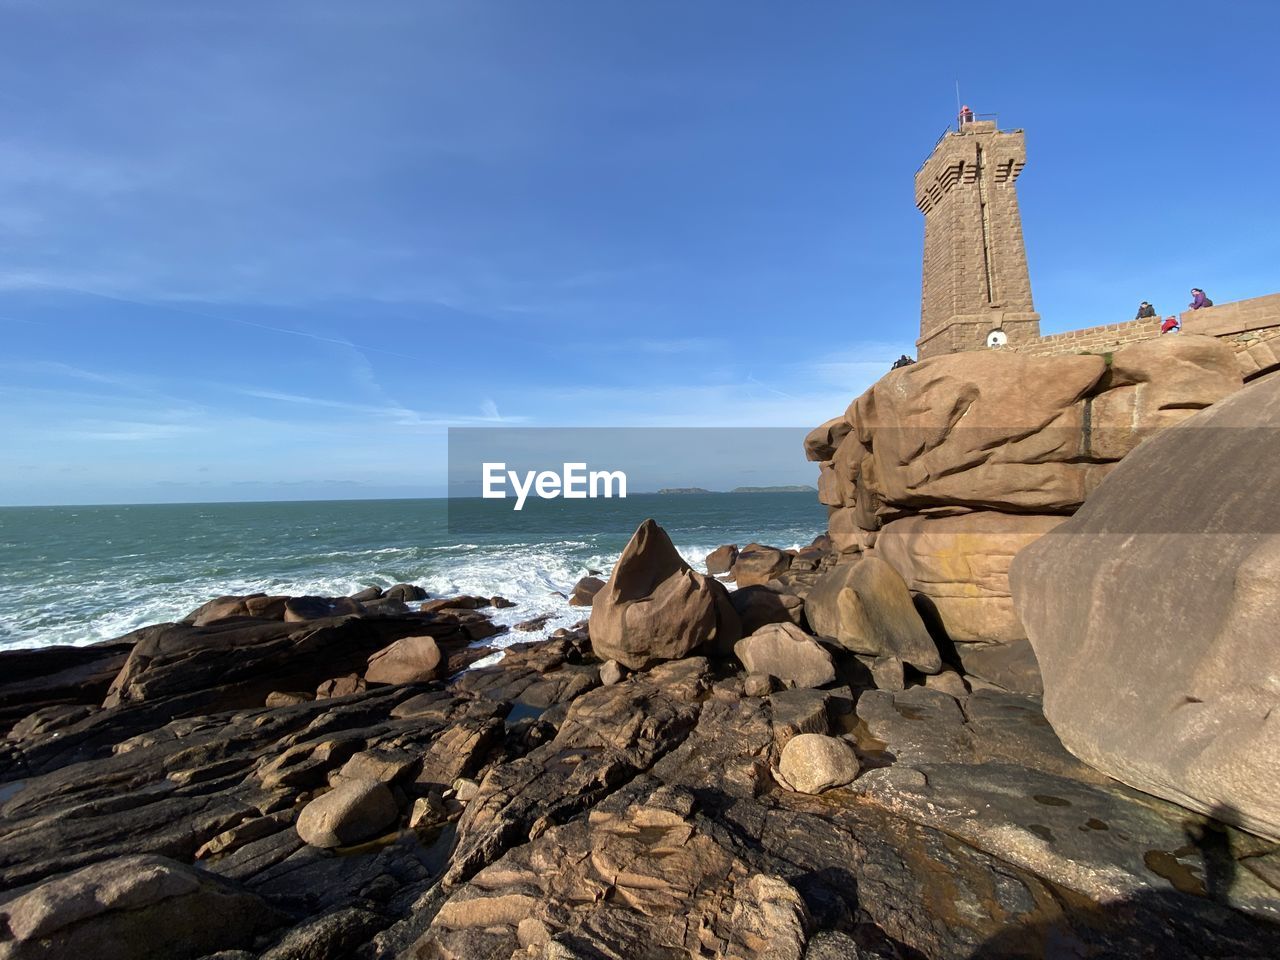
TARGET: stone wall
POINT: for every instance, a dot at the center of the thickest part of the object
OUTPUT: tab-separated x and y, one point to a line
1250	327
1239	316
1101	339
1257	351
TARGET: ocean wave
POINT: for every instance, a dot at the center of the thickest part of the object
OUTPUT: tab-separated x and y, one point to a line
57	591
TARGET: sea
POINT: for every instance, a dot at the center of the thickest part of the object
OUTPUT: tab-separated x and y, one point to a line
82	574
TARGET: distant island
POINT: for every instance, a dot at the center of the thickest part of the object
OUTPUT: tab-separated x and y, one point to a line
791	488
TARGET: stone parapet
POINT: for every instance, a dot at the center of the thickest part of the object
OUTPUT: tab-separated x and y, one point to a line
1239	316
1099	339
1252	327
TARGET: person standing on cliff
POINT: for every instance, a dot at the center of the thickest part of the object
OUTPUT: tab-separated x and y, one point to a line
1145	310
1198	299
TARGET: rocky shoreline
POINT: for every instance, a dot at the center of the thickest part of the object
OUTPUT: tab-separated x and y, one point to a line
300	777
944	730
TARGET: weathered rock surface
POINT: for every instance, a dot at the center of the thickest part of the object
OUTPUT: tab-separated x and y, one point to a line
655	607
995	776
979	430
758	605
1016	433
132	907
865	606
405	592
946	468
822	441
257	605
625	881
961	564
720	561
533	623
757	564
236	663
58	681
785	651
1156	384
1011	666
1153	612
539	812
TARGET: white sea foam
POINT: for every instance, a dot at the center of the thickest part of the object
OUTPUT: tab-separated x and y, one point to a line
57	605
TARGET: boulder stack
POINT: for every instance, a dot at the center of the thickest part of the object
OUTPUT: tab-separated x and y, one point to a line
865	606
655	607
948	467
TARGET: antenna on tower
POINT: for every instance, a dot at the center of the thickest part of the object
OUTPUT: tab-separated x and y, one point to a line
958	107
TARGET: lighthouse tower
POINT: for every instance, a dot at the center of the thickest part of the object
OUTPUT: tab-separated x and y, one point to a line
976	292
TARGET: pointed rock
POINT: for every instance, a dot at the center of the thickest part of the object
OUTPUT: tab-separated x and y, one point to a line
655	607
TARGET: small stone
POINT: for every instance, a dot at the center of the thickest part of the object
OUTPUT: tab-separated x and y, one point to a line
584	591
812	763
351	812
535	623
465	789
409	660
282	698
340	687
948	681
427	812
887	673
758	685
611	672
385	766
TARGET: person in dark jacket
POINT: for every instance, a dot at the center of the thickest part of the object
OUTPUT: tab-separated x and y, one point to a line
902	361
1198	299
1145	310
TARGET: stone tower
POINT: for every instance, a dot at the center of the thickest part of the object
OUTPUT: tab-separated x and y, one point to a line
976	290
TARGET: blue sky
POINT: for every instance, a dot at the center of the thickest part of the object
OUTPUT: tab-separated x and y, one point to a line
274	249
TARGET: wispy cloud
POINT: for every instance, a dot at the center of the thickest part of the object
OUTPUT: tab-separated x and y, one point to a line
127	431
673	345
398	415
28	280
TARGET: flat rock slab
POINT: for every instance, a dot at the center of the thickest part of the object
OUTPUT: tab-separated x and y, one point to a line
132	907
994	775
